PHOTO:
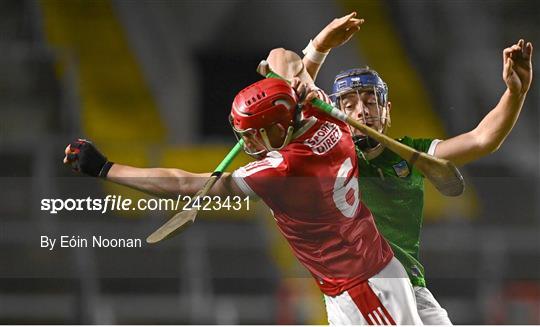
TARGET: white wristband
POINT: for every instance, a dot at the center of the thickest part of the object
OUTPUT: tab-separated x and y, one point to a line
312	54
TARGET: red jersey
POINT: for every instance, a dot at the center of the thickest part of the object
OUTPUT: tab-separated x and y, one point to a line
311	186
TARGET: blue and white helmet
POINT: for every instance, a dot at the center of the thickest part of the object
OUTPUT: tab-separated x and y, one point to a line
360	79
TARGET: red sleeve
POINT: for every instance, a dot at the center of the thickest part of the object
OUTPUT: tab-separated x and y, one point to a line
262	178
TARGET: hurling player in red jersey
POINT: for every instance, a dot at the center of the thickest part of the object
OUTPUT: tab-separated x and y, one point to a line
306	172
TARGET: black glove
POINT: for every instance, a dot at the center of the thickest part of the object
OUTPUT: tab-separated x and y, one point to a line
84	157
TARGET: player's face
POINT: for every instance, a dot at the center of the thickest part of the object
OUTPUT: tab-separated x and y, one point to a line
363	106
254	142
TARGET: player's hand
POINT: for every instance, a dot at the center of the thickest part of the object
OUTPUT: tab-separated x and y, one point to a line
517	67
84	157
300	88
338	32
304	91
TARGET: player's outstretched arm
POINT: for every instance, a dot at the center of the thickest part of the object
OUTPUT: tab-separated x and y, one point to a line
169	182
491	132
288	65
338	32
85	158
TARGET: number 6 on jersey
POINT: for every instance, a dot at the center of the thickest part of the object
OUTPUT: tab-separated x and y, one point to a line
346	194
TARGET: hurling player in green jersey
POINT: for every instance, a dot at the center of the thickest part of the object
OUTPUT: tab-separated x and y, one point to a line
391	188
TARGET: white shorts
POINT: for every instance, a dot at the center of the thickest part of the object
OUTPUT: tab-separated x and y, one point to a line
429	309
385	299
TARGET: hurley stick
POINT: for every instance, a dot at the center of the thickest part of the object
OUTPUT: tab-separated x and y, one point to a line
184	219
442	173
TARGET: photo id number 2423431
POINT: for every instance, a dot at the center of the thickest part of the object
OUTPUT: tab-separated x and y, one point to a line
207	203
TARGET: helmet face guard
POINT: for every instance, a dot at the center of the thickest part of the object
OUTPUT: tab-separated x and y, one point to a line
253	143
259	106
362	80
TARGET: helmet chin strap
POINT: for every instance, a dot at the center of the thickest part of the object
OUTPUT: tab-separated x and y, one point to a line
365	143
267	143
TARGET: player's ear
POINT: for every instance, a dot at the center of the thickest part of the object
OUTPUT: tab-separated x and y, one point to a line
389	107
276	133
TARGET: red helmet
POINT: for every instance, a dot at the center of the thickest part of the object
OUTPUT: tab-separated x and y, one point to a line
260	105
257	105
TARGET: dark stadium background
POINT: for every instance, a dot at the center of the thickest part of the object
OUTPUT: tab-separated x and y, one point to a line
151	82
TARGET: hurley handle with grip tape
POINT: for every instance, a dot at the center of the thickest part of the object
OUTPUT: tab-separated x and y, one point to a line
229	157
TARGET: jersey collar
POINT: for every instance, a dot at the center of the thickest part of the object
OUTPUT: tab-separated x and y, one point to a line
373	153
305	124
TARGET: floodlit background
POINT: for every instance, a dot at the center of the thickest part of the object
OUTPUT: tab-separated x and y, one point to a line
151	83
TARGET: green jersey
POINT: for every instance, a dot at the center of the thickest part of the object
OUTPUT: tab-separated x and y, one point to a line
394	192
